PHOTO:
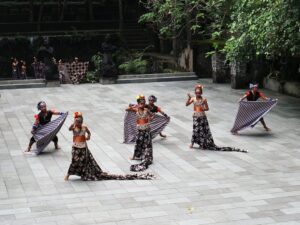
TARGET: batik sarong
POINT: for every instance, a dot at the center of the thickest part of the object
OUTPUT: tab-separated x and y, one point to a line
157	125
203	137
44	134
84	165
250	112
143	150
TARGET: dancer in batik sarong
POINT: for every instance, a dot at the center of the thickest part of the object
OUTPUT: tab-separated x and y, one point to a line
157	124
43	118
143	145
253	95
83	163
15	69
201	131
23	74
155	109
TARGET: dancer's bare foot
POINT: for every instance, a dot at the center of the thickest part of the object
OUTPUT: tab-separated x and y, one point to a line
66	178
267	129
134	158
57	147
191	146
162	135
28	149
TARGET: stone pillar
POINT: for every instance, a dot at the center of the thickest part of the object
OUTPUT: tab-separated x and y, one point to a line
219	68
238	75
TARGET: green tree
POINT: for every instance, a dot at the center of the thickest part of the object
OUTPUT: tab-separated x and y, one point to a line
268	28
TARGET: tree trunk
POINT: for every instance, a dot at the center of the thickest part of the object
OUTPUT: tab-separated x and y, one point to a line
31	11
40	15
61	17
188	28
121	17
238	75
219	68
174	46
90	9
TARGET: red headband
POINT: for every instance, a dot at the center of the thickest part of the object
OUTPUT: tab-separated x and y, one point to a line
198	86
77	114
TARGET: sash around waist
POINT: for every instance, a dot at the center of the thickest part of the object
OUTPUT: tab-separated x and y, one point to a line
80	138
198	109
142	121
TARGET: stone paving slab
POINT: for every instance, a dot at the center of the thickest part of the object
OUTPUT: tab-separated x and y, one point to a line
192	186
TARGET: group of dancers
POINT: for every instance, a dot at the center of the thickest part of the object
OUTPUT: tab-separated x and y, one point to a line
149	121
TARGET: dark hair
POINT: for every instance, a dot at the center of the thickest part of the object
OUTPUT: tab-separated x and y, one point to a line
152	97
39	104
140	100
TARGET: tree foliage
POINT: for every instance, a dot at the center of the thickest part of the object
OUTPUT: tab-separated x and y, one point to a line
269	28
166	17
249	28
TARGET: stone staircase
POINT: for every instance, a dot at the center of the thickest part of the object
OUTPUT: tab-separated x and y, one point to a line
159	77
17	84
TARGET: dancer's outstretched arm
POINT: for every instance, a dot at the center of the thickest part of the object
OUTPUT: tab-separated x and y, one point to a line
205	105
189	100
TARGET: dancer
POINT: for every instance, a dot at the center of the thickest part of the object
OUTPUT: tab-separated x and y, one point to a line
155	109
15	68
157	124
23	74
253	95
143	146
43	118
201	131
38	69
83	163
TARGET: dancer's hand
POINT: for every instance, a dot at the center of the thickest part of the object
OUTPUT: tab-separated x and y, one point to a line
189	95
88	137
32	131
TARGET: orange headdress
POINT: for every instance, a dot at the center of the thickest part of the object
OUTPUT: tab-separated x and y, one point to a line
77	114
199	86
140	98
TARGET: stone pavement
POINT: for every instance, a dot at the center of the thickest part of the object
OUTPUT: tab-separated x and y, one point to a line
192	186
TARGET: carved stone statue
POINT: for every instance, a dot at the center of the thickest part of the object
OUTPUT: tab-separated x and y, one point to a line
107	48
45	54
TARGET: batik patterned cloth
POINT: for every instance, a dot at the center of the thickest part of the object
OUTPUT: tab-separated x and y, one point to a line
250	112
84	165
143	150
157	125
63	74
44	134
203	137
38	68
77	71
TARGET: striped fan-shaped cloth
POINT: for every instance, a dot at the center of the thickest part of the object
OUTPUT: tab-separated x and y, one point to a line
45	133
157	124
250	112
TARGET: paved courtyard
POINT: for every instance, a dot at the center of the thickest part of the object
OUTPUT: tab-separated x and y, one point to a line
191	186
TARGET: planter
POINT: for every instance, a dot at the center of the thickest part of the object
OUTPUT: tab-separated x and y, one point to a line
238	75
53	83
285	87
292	88
274	85
219	68
108	80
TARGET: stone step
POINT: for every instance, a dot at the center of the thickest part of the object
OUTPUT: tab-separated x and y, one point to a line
155	78
27	81
152	75
17	84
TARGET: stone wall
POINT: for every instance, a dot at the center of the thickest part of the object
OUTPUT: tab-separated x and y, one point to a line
285	87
